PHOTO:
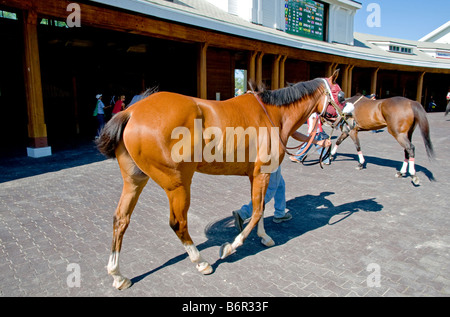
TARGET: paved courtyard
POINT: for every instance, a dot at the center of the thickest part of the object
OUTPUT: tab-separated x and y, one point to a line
353	233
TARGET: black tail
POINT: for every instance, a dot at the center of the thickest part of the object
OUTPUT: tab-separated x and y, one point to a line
421	118
112	134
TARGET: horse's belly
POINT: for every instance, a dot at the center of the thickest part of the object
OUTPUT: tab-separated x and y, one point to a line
223	168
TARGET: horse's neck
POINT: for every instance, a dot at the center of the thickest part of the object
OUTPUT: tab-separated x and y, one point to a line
293	116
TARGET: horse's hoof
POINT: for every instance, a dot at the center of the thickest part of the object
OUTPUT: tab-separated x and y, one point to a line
400	175
225	250
359	167
205	268
415	180
268	242
122	284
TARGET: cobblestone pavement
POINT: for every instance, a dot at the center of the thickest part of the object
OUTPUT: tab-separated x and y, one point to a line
353	233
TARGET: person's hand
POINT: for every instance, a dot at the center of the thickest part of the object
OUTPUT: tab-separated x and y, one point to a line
324	143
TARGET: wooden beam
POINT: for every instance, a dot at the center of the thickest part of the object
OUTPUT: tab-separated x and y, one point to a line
259	68
202	84
373	81
252	67
282	72
276	72
37	130
420	87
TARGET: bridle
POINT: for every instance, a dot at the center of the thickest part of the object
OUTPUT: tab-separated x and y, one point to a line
327	102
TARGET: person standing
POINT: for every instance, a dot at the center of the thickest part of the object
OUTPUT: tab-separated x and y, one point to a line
119	106
99	112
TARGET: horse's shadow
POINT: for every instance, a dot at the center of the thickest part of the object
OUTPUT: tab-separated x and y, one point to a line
309	212
385	163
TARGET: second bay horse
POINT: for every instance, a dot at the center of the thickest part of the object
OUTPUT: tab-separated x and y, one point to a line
400	115
168	137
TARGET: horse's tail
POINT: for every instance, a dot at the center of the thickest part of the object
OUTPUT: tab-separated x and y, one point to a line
420	117
112	134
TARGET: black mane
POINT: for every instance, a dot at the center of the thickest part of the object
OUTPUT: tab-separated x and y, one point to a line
288	95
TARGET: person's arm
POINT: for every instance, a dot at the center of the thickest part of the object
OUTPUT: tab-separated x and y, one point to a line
303	138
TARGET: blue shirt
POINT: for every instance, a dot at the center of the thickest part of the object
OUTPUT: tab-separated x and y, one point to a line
100	107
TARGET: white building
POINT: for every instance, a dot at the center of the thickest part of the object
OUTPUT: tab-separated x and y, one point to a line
338	25
440	35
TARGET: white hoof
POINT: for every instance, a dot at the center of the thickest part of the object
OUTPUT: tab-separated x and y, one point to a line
205	268
122	283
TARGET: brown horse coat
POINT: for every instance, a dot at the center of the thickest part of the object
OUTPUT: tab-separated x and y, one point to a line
166	136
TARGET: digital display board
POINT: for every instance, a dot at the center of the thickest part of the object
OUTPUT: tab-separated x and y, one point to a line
305	18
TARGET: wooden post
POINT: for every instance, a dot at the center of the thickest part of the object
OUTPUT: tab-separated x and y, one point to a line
420	87
345	80
252	67
331	67
37	130
282	72
373	81
350	80
202	86
276	72
259	68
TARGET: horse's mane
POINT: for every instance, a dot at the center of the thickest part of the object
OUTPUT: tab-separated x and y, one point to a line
288	95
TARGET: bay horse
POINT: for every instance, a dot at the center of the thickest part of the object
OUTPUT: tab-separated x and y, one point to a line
400	115
166	137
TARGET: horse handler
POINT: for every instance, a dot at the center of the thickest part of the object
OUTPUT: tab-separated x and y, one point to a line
277	190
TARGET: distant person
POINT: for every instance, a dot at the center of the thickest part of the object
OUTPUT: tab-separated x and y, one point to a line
447	110
99	112
136	98
119	106
431	105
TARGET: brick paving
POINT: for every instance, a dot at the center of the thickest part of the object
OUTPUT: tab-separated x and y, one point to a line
353	233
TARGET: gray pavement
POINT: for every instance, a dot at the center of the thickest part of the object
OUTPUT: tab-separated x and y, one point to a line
353	233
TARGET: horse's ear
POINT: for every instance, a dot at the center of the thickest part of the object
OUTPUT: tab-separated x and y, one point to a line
334	77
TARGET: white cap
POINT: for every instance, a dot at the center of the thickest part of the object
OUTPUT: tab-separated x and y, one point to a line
98	96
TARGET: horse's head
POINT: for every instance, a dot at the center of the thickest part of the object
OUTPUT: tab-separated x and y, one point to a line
331	103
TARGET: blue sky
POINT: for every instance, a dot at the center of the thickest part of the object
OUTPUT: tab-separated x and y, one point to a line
404	19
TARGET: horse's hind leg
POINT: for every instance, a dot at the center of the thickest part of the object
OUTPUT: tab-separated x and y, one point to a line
179	199
362	161
405	142
134	181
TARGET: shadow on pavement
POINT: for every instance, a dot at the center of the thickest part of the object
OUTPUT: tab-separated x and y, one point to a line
309	212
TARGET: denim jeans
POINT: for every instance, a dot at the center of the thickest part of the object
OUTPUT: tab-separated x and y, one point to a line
277	190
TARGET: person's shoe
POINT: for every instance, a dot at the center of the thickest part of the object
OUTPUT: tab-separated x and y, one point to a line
295	159
238	222
287	216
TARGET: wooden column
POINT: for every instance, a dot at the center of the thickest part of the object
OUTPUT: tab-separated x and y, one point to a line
331	67
37	130
350	80
282	72
373	81
202	85
276	72
252	67
420	87
345	80
259	68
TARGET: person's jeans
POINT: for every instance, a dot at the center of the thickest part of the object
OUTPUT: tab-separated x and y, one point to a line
277	190
101	123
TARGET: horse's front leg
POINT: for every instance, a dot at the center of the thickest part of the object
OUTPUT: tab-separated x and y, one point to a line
341	139
259	186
